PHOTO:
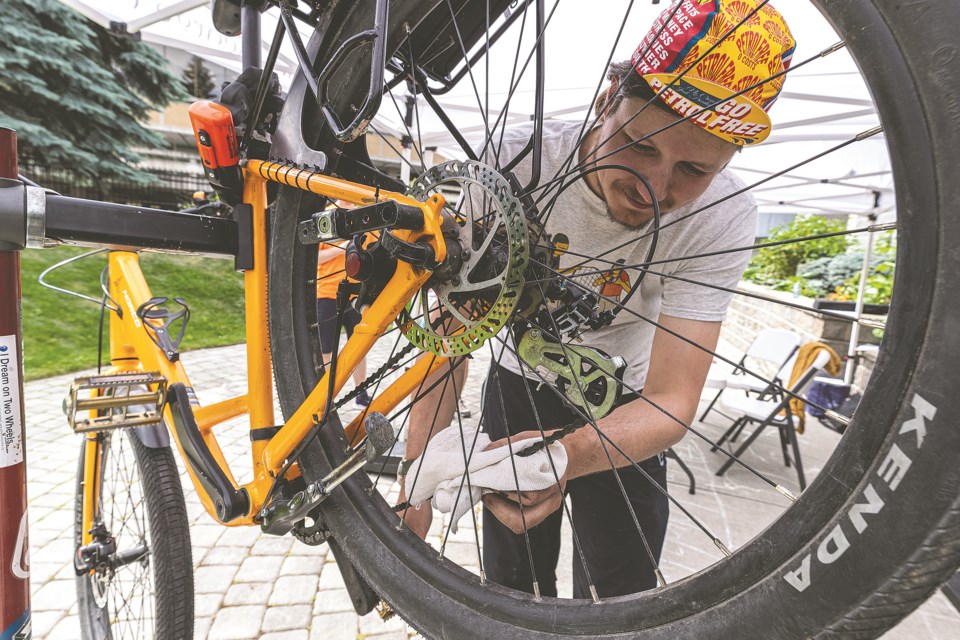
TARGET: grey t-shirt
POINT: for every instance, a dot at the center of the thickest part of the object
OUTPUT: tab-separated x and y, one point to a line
581	216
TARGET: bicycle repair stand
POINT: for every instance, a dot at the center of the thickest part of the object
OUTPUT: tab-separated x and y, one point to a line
14	558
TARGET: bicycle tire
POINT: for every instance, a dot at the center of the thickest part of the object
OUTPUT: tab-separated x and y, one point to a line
855	583
167	530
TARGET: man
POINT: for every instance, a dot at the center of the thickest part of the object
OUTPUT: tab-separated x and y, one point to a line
725	46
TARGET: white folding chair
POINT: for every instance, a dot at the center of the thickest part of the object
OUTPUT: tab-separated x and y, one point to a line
772	349
771	413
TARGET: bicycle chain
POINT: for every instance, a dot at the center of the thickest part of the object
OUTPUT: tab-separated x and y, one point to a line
375	376
317	533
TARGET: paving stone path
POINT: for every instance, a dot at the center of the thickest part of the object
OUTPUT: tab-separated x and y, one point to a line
249	585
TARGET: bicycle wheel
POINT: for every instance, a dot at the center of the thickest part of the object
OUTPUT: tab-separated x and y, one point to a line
871	537
140	584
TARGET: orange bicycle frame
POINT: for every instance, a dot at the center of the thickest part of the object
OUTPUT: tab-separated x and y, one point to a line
131	348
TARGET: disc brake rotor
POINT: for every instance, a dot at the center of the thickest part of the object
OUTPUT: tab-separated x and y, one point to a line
480	288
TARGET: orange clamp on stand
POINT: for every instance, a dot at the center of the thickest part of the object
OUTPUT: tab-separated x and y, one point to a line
217	142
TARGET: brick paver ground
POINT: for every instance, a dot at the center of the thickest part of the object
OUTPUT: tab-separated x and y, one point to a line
249	585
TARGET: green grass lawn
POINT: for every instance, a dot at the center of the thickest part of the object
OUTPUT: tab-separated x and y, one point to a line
60	331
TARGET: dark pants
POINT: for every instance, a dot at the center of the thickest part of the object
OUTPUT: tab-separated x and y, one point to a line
615	555
327	319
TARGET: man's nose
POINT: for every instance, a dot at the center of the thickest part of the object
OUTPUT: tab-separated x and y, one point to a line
659	182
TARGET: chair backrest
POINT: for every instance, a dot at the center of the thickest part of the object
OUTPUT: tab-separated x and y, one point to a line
773	345
783	373
823	357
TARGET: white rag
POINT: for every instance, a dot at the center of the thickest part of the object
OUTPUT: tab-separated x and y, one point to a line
439	471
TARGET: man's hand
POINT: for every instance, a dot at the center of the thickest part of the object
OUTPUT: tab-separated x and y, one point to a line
418	520
537	505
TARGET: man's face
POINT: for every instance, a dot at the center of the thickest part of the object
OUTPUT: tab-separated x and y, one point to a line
680	162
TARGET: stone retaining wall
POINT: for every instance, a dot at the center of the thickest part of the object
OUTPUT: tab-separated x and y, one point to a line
747	316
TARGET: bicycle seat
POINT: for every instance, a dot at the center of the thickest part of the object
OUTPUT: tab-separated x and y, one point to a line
226	15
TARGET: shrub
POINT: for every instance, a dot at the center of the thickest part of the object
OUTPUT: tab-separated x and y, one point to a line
774	265
824	275
878	289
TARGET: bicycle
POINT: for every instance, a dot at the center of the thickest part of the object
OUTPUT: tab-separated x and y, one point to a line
897	443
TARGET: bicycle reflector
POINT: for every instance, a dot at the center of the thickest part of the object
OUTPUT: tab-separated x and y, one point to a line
217	142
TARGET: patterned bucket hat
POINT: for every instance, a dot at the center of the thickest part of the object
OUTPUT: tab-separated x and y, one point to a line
704	52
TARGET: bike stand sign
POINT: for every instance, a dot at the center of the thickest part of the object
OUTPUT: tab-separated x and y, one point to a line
14	558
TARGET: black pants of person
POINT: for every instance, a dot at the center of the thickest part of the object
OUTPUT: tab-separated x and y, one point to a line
327	320
616	558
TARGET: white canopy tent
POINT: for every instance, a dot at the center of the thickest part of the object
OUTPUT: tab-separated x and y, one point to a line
825	104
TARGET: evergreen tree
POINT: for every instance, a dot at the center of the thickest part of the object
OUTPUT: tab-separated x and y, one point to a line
77	94
197	80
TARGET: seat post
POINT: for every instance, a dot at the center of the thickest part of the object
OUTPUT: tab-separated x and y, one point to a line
250	42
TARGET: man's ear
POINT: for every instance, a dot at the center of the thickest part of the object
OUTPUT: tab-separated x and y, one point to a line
612	94
614	85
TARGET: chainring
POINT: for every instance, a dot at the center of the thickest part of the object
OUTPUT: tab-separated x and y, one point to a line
482	289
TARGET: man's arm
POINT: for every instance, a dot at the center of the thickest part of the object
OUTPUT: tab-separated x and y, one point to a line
428	416
674	383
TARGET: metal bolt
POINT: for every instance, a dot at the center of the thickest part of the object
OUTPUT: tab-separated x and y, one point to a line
455	280
465	254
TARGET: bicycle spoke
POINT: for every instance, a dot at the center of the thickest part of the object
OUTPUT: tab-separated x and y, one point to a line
640	237
516	482
719	544
376	387
693	343
673	82
574	173
565	165
396	151
575	375
433	428
409	135
473	82
466	474
553	467
511	84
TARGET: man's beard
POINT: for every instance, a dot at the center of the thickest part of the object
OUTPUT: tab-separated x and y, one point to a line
628	225
625	225
664	208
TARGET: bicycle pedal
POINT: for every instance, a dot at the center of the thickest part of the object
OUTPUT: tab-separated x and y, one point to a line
385	611
108	410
